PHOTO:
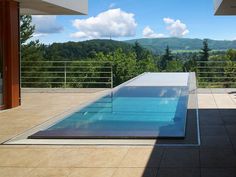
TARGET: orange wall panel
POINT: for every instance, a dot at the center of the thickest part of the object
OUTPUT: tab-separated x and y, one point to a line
11	52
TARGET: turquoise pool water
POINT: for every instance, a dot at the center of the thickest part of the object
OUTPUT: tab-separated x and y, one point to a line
129	112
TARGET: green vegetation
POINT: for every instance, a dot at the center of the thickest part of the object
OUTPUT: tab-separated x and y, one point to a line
83	50
27	29
32	51
182	45
166	59
127	59
205	51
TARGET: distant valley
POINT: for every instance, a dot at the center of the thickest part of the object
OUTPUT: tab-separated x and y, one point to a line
89	48
158	45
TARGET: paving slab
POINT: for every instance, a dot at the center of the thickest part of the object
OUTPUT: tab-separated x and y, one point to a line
180	157
218	172
213	130
216	142
135	172
137	157
179	172
217	158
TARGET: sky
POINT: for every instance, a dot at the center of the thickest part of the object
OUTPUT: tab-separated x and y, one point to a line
132	19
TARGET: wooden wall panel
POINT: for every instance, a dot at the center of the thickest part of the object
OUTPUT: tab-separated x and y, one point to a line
11	52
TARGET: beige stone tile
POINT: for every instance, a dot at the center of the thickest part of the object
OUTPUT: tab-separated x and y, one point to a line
4	138
105	157
5	146
142	157
23	157
23	121
49	172
3	116
224	101
233	97
51	147
14	172
135	172
12	129
66	158
92	172
206	101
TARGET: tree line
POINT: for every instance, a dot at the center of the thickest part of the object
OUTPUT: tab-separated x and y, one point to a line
128	61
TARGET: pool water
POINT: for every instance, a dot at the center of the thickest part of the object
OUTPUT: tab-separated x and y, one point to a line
128	112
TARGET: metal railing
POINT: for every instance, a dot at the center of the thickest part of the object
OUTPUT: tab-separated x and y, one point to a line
216	74
66	74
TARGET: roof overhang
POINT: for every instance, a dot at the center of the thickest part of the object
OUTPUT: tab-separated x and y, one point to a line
53	7
225	7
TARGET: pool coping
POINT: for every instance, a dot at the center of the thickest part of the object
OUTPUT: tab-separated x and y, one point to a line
22	139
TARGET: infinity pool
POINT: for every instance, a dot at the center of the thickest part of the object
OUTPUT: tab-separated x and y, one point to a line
140	108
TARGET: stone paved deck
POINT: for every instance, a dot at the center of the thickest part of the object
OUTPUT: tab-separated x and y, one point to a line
216	157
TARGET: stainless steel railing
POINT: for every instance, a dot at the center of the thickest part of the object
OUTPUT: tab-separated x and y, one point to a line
66	74
216	74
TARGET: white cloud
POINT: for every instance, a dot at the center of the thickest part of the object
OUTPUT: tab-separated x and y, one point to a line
45	24
149	33
39	35
176	27
111	23
168	20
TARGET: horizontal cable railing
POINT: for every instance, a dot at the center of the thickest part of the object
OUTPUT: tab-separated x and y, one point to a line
66	74
216	74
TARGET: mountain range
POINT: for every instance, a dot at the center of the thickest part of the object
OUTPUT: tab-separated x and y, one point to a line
89	48
158	45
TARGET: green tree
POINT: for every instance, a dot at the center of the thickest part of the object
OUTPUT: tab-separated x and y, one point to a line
204	57
33	69
124	66
147	65
167	57
205	51
138	50
174	66
26	28
231	54
229	79
191	64
141	53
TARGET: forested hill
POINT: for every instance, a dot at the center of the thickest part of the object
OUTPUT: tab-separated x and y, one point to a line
89	49
83	50
158	45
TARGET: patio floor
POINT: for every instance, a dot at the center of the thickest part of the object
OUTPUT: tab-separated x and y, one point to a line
216	157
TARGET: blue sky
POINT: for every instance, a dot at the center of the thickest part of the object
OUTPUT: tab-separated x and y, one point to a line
128	19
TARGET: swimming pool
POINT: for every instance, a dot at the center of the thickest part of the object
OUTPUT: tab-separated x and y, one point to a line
152	105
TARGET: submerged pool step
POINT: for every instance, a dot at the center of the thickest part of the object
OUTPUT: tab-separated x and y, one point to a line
124	104
117	116
109	125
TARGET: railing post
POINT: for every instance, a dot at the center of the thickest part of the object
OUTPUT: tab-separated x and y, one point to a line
65	74
111	76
